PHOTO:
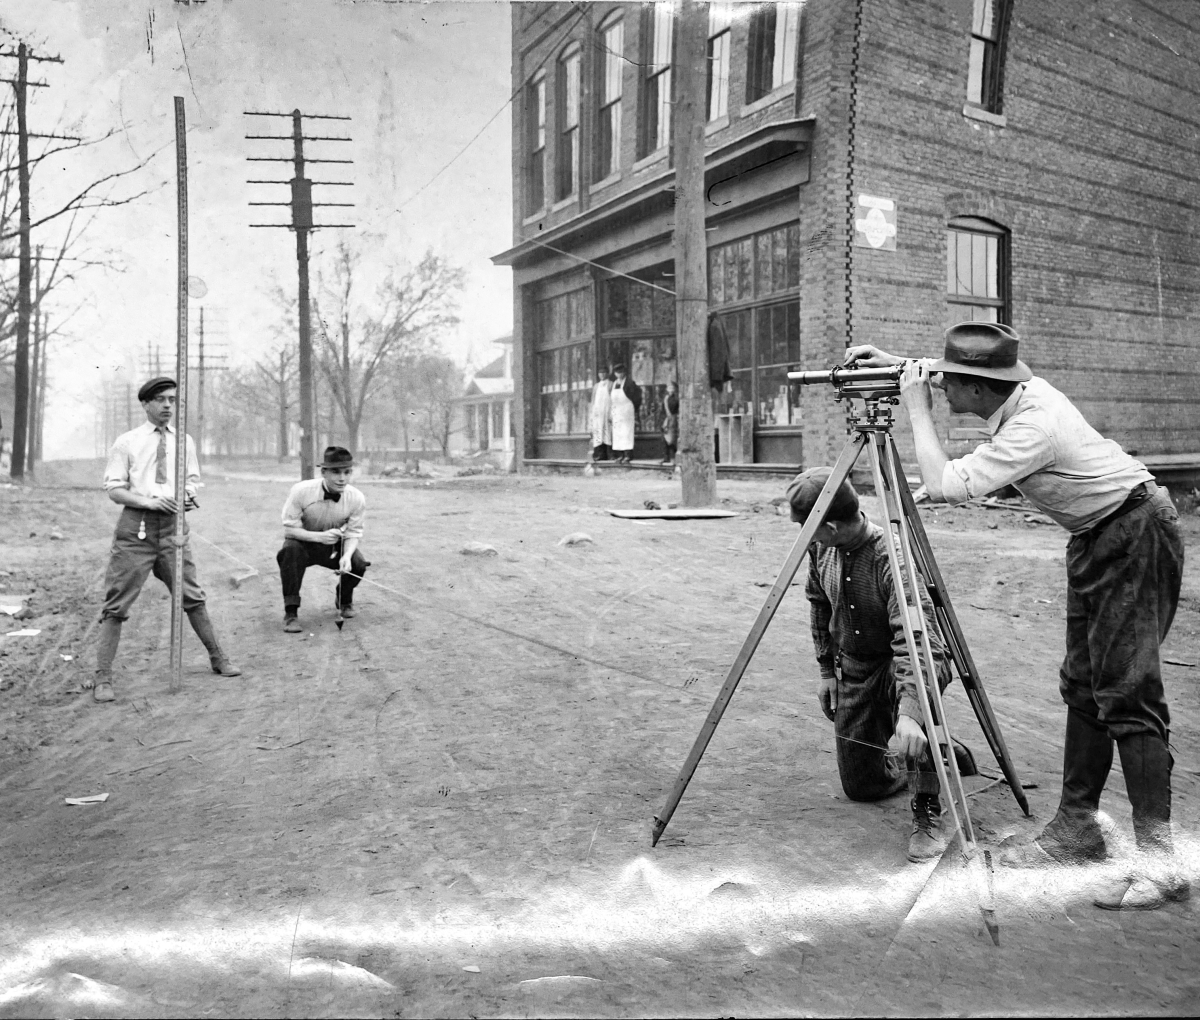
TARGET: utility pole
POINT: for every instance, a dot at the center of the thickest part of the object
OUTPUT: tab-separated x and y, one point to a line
21	403
302	223
691	283
38	345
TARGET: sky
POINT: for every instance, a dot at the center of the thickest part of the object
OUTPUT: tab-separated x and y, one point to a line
419	81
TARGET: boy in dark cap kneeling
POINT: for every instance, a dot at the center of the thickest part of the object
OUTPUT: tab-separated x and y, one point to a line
867	687
141	477
322	526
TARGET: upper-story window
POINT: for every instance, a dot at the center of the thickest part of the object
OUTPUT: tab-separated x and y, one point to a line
976	271
985	68
719	15
771	56
568	123
535	125
610	67
657	49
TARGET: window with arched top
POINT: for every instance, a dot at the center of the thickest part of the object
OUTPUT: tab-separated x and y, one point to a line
610	67
977	271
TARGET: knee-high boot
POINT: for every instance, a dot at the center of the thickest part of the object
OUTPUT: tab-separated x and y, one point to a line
1155	877
217	658
106	651
1073	836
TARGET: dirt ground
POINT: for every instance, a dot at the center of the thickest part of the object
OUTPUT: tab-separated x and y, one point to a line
444	809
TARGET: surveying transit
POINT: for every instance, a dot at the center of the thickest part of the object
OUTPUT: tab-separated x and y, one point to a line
911	563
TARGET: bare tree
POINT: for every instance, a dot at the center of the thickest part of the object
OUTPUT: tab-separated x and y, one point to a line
413	307
279	369
436	381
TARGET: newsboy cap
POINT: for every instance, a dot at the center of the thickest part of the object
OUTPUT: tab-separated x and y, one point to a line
807	486
154	387
988	349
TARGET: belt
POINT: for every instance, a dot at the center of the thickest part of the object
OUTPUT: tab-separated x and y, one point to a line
1137	496
860	667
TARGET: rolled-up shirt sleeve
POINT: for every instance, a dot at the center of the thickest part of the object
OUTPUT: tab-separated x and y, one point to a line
354	524
1013	453
116	471
292	511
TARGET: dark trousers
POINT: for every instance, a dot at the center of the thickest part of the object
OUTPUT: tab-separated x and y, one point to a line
295	557
1123	582
601	452
133	559
866	715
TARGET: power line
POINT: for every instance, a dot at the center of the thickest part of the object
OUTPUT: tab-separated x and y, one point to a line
508	102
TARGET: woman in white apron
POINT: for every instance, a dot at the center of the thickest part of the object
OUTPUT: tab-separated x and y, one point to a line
602	417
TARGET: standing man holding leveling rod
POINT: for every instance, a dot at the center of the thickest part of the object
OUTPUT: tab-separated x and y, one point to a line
140	477
1124	572
322	526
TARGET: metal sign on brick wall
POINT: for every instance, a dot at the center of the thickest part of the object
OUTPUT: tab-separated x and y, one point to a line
875	224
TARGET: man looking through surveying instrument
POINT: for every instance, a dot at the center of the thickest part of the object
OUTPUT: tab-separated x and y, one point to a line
1124	572
322	526
140	476
867	688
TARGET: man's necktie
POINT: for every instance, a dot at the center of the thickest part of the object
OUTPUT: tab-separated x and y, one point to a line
160	462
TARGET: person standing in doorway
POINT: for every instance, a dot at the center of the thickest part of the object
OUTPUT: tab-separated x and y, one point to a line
626	401
670	423
602	416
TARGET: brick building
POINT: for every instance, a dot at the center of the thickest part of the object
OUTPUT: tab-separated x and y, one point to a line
874	171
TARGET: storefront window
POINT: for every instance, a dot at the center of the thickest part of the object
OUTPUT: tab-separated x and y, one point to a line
566	372
752	281
639	332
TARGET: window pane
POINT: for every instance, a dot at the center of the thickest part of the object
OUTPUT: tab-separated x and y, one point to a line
983	22
787	23
793	333
737	332
979	265
571	91
762	264
975	73
663	103
716	276
793	255
719	16
639	307
662	35
731	272
993	274
951	261
616	304
614	46
779	254
741	392
777	398
745	269
663	310
718	75
962	284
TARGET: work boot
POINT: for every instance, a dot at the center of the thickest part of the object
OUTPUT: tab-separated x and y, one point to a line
202	625
291	624
927	840
1073	835
1154	878
106	651
348	611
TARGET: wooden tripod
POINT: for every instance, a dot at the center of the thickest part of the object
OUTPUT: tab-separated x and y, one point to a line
912	565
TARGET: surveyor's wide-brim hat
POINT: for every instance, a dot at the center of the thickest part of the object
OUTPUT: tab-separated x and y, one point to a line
988	349
337	457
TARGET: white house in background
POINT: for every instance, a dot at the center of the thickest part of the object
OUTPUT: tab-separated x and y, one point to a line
483	414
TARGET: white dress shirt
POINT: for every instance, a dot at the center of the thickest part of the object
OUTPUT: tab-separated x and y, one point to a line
1042	445
134	458
310	506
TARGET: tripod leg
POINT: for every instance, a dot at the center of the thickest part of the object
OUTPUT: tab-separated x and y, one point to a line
841	471
952	634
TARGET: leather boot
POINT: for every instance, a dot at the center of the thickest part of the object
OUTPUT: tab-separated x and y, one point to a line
1073	836
202	625
106	651
1155	877
928	840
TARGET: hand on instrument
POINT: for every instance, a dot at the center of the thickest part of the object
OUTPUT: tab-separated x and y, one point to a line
330	537
915	391
866	356
344	563
190	504
827	695
910	737
163	504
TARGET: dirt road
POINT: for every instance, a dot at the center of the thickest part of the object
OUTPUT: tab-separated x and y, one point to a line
444	809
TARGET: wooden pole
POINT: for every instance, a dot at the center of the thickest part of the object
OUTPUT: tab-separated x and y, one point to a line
181	380
691	285
21	361
31	452
302	222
